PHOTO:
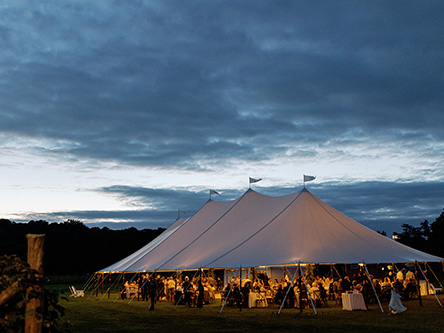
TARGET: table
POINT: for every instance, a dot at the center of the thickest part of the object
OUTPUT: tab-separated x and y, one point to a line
257	300
352	302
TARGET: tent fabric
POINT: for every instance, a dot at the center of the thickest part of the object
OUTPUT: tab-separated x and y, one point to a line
258	230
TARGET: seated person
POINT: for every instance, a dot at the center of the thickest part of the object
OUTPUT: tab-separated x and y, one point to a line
386	284
357	287
346	284
409	288
314	292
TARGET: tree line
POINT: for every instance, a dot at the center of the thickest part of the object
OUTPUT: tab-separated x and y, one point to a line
428	237
73	248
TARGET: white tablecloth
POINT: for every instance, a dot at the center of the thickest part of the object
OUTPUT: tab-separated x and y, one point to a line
253	297
353	302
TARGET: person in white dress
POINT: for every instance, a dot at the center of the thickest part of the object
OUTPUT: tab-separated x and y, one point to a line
395	305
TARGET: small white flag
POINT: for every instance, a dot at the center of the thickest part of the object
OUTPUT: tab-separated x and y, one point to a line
255	180
181	211
214	192
309	178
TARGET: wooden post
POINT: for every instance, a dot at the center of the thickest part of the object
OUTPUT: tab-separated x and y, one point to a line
97	285
34	307
109	285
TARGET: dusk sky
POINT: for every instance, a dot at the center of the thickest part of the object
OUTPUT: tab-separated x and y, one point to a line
119	113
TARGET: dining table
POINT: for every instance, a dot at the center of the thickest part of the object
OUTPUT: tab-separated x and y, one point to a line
353	301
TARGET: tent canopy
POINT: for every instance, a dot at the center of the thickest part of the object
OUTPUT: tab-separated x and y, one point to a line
258	230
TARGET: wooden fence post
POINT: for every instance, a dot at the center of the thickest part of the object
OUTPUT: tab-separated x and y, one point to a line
34	307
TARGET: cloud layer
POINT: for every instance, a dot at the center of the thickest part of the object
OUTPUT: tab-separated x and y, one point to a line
348	90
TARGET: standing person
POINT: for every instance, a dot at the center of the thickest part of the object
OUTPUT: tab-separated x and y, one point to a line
160	288
142	282
171	286
152	290
146	280
200	297
187	290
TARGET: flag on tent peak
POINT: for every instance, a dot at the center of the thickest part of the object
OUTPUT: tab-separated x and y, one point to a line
255	180
308	178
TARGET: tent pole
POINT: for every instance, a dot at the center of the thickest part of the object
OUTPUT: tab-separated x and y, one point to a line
309	296
373	287
184	291
418	287
240	288
109	286
300	287
288	290
104	277
428	286
226	297
116	282
88	282
431	270
339	275
97	285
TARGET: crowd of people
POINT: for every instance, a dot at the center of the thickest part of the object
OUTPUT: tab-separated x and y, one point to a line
199	290
190	292
323	288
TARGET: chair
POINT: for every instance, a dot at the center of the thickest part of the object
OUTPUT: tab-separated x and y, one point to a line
76	293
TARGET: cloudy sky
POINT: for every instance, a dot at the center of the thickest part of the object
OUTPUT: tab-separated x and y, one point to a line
119	113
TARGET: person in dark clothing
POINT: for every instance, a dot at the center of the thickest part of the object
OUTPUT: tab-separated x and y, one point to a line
279	297
143	287
346	284
289	290
245	291
187	291
152	291
160	288
200	297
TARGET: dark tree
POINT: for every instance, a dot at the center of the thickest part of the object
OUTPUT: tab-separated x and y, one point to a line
72	247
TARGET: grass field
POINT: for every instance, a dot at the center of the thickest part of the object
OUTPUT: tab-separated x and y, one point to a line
100	314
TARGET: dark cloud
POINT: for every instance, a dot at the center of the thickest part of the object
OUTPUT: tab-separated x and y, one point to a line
167	84
207	85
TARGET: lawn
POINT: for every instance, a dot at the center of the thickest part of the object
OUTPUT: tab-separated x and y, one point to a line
103	314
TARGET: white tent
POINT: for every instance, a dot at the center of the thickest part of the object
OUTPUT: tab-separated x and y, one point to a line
258	230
